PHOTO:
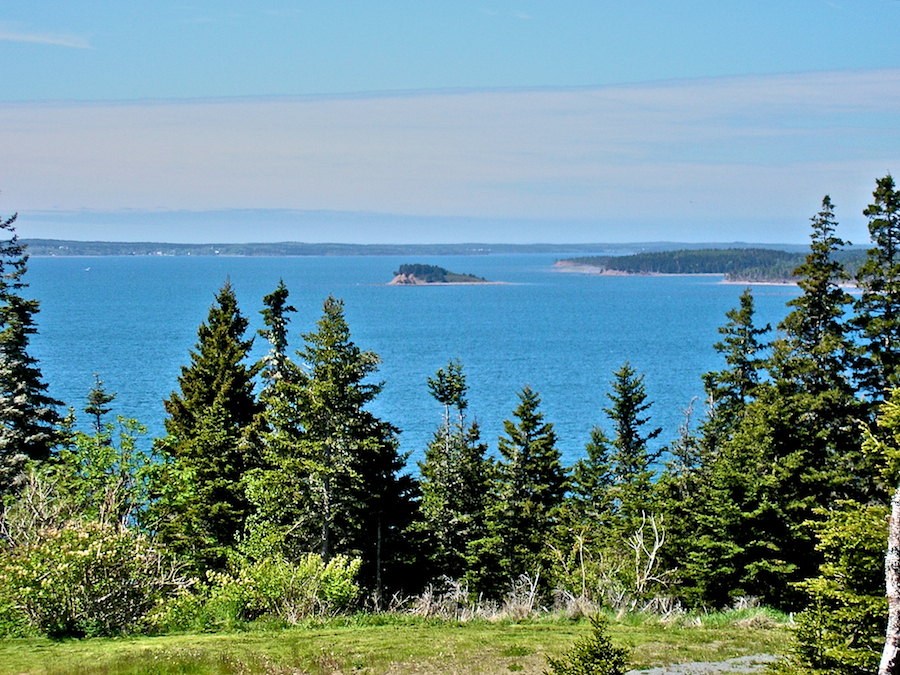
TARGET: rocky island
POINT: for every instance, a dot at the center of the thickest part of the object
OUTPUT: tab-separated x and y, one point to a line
422	275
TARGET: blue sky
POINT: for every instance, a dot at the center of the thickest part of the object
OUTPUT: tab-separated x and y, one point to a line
435	121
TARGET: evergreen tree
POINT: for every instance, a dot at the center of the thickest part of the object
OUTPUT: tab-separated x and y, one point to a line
28	416
455	478
617	474
731	389
202	506
816	351
362	503
277	365
98	401
878	307
283	520
529	490
788	453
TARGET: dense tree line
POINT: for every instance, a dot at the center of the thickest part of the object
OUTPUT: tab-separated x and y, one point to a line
736	264
277	471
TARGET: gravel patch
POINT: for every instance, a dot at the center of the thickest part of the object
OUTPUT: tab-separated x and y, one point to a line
743	664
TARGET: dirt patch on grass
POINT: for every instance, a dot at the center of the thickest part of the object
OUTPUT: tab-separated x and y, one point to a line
742	664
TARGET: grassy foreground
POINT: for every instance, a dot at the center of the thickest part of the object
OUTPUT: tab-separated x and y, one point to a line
374	645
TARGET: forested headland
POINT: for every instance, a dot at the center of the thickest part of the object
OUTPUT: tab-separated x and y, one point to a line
276	495
736	264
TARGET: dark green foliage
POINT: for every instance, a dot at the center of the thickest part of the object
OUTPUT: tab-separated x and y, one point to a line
528	492
202	506
98	401
816	352
28	416
842	628
593	655
736	263
731	389
617	474
455	479
361	502
699	511
878	307
775	451
279	489
431	274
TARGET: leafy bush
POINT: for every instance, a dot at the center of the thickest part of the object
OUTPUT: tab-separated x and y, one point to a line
83	580
593	655
272	589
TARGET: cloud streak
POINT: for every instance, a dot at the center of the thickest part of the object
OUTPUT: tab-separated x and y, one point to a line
724	152
57	39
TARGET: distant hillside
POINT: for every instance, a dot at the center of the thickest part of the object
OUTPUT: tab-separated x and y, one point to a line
412	275
68	247
736	264
60	247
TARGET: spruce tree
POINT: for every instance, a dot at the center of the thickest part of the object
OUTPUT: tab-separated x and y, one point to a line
816	351
202	506
283	520
729	390
362	503
98	401
277	365
28	416
789	451
617	475
529	489
455	478
878	307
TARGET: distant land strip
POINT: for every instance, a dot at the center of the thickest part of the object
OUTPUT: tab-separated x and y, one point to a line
64	247
735	264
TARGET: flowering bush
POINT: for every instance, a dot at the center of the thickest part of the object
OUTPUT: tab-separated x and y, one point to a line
84	579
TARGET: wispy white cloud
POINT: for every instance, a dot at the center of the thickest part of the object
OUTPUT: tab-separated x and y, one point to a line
12	34
716	151
522	15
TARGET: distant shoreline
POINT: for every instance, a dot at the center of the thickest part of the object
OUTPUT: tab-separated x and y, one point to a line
574	268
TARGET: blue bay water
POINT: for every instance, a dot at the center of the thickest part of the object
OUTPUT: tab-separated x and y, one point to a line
133	321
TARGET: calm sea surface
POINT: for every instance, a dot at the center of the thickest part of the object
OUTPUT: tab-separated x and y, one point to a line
133	320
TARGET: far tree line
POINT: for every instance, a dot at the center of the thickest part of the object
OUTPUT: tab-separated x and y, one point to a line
777	490
735	264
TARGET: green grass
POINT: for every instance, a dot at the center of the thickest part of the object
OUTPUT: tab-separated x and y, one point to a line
394	646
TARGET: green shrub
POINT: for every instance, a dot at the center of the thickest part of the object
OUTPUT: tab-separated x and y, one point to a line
842	628
268	589
82	580
593	655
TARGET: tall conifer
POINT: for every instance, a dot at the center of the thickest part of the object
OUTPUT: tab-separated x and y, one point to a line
878	307
362	502
202	504
528	492
455	478
28	416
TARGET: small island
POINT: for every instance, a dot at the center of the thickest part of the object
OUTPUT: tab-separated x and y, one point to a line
422	275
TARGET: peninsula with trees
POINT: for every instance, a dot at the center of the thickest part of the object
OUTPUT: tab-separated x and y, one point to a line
736	264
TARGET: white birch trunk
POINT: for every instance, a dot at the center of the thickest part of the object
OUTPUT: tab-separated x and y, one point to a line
889	657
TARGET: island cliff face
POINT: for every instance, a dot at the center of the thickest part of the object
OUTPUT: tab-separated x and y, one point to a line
423	275
407	280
